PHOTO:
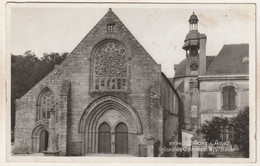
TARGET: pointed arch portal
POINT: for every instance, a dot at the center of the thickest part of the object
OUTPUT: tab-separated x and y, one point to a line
40	138
96	121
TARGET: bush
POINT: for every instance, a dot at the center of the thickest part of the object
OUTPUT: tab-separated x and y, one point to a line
212	132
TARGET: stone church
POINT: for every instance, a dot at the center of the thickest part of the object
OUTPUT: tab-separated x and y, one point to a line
108	96
211	86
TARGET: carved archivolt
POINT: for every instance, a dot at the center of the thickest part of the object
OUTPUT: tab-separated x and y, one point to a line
36	136
89	121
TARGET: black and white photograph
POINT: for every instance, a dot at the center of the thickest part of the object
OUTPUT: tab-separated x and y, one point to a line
130	82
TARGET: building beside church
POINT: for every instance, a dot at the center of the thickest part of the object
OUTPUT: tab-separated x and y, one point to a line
108	96
211	86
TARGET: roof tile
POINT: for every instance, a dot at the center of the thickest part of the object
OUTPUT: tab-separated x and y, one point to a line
230	60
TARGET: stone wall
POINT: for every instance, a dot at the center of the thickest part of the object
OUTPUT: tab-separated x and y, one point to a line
212	97
172	110
190	97
144	72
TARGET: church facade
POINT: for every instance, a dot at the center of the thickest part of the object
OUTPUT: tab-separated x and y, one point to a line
211	86
108	96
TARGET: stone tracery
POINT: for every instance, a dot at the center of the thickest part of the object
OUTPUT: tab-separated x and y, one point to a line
110	67
47	103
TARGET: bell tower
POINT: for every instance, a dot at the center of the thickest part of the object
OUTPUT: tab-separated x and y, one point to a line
195	47
194	65
192	39
193	22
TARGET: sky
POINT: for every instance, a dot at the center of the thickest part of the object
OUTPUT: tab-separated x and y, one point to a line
159	28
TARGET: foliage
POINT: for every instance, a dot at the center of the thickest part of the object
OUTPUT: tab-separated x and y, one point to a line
211	129
27	70
241	128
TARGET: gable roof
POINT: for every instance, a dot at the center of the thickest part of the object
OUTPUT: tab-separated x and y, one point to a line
180	69
99	33
96	35
180	87
229	61
209	60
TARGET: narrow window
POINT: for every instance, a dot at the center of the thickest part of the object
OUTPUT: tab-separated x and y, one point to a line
102	82
196	84
108	83
124	83
191	83
111	28
229	98
113	84
118	83
97	84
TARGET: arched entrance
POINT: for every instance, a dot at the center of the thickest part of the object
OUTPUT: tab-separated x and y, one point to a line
44	138
121	140
122	119
40	137
104	138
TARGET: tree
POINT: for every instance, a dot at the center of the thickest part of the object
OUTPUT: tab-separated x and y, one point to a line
26	71
241	128
212	130
22	77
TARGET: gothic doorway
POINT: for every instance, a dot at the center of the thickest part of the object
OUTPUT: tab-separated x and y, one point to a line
104	138
44	137
108	125
121	141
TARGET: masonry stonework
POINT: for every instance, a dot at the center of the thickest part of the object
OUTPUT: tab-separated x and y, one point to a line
143	100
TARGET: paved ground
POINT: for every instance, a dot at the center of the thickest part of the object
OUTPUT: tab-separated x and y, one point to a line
34	154
109	155
88	155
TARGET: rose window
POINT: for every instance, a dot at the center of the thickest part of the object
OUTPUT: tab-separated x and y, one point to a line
110	67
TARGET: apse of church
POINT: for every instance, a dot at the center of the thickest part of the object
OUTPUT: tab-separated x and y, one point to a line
107	97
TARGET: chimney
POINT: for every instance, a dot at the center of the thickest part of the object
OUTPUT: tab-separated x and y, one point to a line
202	57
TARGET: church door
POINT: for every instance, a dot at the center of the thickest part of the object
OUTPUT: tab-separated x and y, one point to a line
104	138
121	139
44	137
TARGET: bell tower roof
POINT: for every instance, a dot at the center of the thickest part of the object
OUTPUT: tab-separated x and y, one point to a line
193	19
193	37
